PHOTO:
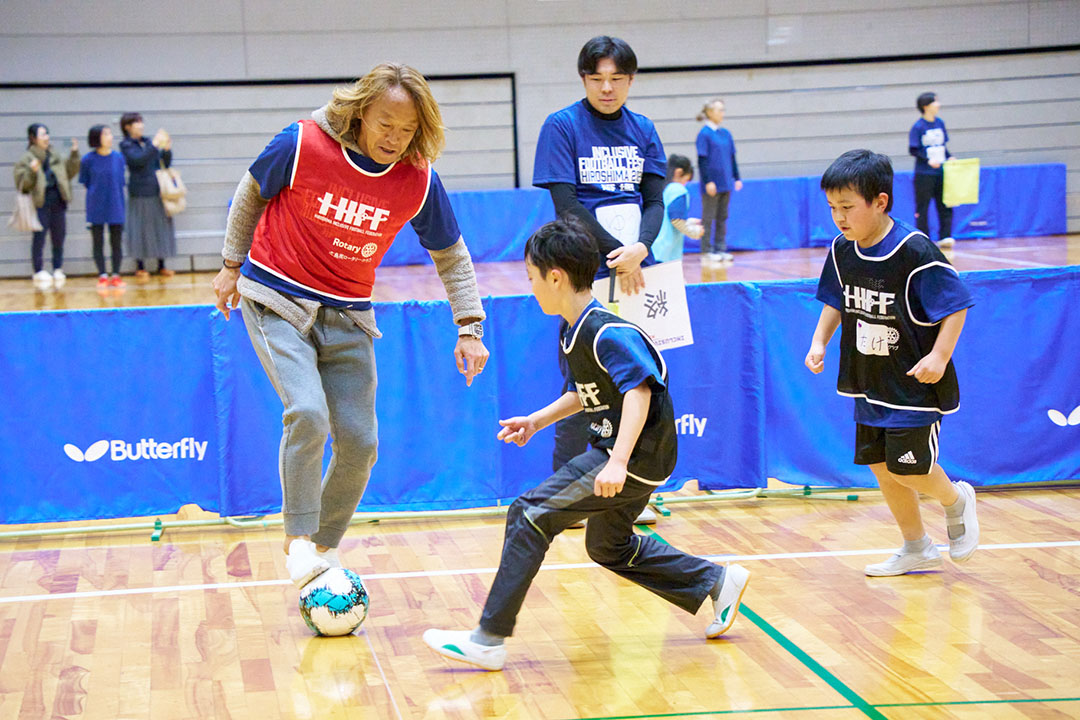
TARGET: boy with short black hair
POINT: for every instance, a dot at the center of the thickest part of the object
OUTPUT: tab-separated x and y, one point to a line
901	307
621	385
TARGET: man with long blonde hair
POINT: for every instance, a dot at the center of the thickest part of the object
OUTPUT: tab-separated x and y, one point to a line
309	223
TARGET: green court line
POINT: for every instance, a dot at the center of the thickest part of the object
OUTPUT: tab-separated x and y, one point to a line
979	702
710	713
815	667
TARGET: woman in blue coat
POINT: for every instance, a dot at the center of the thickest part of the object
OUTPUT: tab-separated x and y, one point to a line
102	172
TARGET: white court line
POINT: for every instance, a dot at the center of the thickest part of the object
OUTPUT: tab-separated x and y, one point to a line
1005	261
382	674
482	571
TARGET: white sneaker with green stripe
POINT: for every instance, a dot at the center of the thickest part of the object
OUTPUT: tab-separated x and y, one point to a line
727	605
456	645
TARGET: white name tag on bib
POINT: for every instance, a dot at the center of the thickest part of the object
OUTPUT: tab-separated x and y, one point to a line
622	221
935	154
871	339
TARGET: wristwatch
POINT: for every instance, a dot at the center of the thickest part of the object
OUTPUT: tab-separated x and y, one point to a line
474	329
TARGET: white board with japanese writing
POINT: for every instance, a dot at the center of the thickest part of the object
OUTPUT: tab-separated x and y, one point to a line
660	309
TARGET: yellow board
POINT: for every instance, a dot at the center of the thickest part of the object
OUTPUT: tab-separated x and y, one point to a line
961	184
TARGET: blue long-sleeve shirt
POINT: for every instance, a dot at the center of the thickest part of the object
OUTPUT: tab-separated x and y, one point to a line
716	158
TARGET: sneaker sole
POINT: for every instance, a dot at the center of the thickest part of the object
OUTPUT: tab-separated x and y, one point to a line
449	655
924	565
315	572
734	614
963	558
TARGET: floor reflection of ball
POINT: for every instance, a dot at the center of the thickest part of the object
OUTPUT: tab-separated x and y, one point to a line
334	603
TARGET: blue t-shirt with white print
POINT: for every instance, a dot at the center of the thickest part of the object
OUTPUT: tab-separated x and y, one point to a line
934	294
604	159
926	142
435	224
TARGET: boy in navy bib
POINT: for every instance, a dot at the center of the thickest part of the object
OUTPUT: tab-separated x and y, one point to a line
619	383
900	306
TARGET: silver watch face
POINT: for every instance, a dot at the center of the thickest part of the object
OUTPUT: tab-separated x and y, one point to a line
475	329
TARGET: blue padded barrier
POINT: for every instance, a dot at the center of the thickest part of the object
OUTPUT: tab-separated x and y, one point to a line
768	213
185	386
1016	360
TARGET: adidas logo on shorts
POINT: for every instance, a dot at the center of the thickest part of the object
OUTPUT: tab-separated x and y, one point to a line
907	458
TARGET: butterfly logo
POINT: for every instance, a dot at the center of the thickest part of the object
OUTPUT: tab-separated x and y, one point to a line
1058	418
92	453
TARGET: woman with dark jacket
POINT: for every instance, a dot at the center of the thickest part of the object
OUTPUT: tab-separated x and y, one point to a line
150	232
46	175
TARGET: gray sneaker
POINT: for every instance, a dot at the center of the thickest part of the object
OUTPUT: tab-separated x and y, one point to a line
965	528
902	563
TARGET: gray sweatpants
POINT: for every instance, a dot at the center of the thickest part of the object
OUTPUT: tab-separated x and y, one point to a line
326	381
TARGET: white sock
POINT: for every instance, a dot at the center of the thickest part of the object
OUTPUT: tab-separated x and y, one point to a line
917	546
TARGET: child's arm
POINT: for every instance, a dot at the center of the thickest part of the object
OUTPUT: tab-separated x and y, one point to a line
520	429
826	326
932	367
609	481
689	229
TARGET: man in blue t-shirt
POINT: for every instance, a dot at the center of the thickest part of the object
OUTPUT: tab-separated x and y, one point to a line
927	142
605	165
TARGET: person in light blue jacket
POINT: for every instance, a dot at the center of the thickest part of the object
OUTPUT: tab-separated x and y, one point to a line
678	224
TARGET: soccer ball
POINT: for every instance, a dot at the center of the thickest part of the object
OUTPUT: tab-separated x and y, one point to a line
334	603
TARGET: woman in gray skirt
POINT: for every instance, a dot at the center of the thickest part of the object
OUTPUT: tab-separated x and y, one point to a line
150	232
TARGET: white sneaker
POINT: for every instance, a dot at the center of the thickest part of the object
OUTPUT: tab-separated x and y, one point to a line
727	605
902	563
457	645
647	517
946	242
304	563
59	278
966	527
42	279
330	555
726	257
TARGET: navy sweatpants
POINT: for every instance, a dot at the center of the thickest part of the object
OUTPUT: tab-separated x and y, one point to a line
535	518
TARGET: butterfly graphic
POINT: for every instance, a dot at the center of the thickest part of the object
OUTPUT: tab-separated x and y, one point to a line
1058	418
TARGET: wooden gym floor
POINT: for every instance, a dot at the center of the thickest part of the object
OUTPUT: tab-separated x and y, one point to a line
203	623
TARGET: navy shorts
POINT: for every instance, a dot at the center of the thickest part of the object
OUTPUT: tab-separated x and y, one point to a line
905	451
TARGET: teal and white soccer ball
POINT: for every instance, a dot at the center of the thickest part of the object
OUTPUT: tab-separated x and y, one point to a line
334	603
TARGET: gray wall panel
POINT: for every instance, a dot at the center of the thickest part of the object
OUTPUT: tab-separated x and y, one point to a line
786	120
217	132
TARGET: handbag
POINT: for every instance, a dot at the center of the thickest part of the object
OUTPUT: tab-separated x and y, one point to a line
173	191
24	218
960	185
